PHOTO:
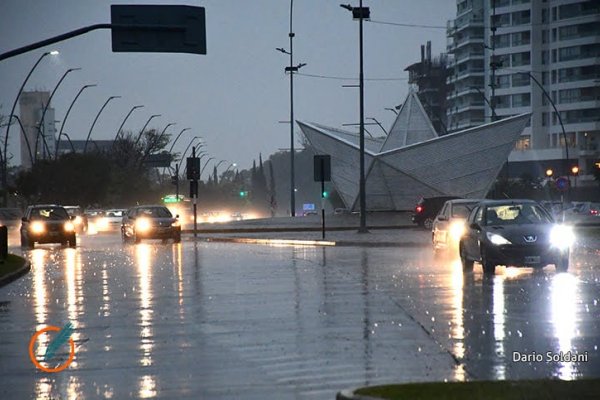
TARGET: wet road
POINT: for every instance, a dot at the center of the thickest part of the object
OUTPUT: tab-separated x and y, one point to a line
201	320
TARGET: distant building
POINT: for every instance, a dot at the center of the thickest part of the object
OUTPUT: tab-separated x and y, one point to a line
493	41
429	77
31	108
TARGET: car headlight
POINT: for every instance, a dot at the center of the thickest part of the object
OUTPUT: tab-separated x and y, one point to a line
562	237
69	227
78	220
37	227
457	229
142	225
496	239
102	223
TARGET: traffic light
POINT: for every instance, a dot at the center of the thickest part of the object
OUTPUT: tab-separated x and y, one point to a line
243	193
325	194
174	179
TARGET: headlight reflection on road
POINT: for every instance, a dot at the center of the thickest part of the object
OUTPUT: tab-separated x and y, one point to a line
458	329
38	267
147	387
498	309
143	255
562	299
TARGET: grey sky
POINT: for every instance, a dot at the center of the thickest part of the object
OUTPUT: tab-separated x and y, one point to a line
235	95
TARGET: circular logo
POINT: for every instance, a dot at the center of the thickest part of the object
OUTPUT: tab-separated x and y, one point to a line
562	183
37	363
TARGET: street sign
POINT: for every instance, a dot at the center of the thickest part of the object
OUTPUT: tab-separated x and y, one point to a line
562	183
160	28
308	207
193	168
172	198
161	160
322	168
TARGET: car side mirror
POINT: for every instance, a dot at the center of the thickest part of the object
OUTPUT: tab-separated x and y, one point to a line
475	226
23	219
177	216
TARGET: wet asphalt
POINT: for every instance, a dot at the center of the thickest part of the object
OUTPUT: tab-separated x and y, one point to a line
219	320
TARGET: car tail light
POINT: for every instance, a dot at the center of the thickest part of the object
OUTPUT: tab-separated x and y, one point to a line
419	209
594	212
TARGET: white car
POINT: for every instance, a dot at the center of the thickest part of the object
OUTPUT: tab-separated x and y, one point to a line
111	220
449	225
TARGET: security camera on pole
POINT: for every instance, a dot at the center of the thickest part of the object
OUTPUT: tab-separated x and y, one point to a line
193	174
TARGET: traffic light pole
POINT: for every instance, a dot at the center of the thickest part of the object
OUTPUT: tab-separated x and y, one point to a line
177	182
322	200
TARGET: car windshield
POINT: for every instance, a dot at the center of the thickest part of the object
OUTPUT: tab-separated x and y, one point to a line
462	210
516	214
114	213
154	212
49	213
73	210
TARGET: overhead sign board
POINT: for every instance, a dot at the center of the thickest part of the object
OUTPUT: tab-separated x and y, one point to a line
158	28
161	160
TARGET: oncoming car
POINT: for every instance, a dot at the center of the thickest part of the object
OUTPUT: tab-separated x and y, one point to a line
517	233
449	224
80	220
150	222
47	224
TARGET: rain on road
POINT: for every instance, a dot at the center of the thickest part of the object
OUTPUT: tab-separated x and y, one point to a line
214	320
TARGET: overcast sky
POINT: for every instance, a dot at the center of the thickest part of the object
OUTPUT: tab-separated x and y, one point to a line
235	95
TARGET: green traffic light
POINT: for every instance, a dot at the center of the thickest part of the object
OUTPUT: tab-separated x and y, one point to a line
325	195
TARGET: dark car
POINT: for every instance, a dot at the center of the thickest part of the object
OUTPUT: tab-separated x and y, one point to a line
47	224
518	233
80	220
427	208
150	222
449	224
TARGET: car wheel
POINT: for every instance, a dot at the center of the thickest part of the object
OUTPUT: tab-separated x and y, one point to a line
467	264
73	241
489	268
428	223
136	238
177	237
562	264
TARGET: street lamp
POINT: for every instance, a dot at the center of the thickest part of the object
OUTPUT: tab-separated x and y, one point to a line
177	138
144	127
492	109
3	154
549	172
62	125
157	140
291	69
41	123
392	110
96	119
70	142
361	13
24	137
125	119
564	134
205	164
381	126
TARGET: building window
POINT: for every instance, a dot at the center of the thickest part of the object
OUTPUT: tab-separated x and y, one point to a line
545	78
521	17
521	38
502	81
544	57
520	59
544	16
520	80
502	101
545	36
521	100
523	143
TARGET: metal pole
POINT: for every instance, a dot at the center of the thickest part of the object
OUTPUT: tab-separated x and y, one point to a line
144	127
125	119
195	199
41	123
96	119
322	198
3	155
62	125
25	137
363	202
177	182
292	153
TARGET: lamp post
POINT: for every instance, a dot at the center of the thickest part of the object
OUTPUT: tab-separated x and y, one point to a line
177	138
291	69
125	119
216	167
205	164
150	146
492	109
3	158
41	123
24	137
96	119
378	123
361	13
70	142
392	110
62	125
564	134
144	127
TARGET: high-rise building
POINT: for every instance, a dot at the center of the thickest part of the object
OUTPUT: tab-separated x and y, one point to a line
429	77
557	42
38	140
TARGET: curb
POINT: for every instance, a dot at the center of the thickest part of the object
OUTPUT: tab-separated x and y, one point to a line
299	242
348	394
294	229
16	274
